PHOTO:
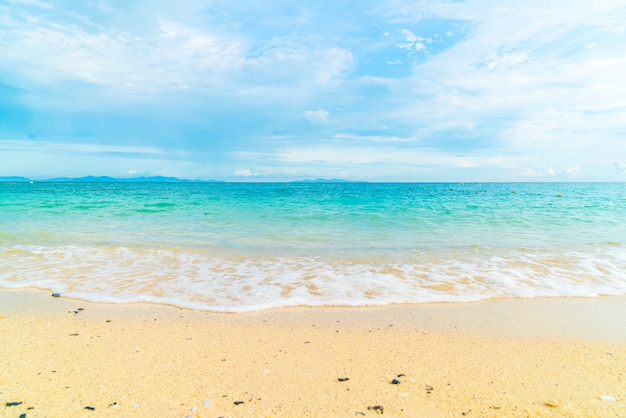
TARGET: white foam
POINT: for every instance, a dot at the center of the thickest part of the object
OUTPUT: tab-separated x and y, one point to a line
235	282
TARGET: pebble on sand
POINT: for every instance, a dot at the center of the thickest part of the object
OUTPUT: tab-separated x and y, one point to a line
551	403
379	409
608	398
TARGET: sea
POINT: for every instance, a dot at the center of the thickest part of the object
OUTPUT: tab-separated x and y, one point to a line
237	247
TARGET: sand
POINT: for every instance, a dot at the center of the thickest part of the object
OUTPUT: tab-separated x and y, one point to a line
541	357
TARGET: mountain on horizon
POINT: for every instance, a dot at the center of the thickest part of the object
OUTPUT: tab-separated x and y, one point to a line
108	179
149	179
328	181
14	179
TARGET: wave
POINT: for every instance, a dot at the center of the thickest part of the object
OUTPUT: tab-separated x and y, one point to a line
226	281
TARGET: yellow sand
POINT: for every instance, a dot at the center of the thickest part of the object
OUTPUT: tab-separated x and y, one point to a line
515	358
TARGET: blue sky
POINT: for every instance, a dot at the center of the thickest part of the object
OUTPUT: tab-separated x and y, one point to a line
256	90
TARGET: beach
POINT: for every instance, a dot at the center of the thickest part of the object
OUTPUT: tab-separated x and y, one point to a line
312	209
509	357
314	300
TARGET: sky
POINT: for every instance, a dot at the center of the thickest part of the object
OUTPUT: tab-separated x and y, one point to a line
271	90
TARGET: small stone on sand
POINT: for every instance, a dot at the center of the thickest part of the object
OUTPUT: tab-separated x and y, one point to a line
379	409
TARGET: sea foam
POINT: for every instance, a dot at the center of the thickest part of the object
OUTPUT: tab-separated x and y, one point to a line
197	280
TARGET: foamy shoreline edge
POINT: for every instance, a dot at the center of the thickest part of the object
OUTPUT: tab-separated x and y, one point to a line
581	318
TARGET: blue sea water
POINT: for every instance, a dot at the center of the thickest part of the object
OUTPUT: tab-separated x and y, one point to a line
242	247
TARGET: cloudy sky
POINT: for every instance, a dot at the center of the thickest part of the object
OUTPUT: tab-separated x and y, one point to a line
385	90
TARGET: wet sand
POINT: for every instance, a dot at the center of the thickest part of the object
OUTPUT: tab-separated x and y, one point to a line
548	357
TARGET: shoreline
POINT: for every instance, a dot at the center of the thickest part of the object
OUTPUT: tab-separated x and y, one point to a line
601	318
519	357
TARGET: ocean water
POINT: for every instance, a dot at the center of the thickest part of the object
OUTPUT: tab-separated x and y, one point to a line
242	247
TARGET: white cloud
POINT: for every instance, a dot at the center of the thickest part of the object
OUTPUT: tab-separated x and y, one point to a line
572	172
244	173
507	60
143	62
129	59
374	138
539	85
524	78
620	168
289	61
340	154
78	148
34	3
537	173
412	42
317	116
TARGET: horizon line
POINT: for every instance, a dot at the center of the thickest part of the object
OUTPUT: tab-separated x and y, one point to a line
173	179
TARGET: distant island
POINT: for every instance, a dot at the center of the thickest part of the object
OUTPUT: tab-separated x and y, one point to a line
14	179
151	179
105	179
323	181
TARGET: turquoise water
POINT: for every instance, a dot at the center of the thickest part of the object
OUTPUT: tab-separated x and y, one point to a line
241	247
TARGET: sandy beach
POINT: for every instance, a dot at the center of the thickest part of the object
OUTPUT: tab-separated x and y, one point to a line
540	357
